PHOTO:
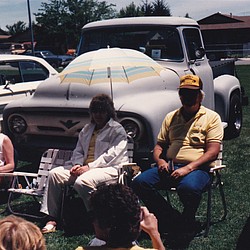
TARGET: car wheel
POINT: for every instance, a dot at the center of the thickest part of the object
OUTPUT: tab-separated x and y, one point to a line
235	117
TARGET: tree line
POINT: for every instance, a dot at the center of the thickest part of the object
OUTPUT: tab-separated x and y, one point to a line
58	23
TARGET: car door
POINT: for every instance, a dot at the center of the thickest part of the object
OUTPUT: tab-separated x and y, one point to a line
200	67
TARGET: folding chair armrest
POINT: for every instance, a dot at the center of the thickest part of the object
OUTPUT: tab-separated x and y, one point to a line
129	164
14	174
216	168
6	174
127	172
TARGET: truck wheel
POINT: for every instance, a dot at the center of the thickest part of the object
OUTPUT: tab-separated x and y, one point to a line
235	117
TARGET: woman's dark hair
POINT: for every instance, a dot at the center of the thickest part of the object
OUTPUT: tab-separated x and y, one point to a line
117	208
102	103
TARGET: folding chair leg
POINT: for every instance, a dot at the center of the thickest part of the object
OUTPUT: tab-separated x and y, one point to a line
208	220
223	199
64	194
209	202
10	199
10	209
168	197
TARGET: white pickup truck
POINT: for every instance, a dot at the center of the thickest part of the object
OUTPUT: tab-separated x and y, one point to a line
54	115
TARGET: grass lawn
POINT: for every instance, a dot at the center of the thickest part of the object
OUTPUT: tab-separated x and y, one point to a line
223	235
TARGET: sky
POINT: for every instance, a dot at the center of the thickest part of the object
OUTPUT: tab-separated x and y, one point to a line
12	11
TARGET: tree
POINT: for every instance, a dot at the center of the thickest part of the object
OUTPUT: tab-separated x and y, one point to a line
16	28
147	8
130	11
155	8
161	8
60	21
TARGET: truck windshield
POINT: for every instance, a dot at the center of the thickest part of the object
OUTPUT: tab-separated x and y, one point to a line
158	43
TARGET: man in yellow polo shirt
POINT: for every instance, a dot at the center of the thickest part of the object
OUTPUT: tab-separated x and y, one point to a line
187	146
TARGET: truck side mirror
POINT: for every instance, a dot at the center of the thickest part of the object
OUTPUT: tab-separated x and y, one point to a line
199	53
142	49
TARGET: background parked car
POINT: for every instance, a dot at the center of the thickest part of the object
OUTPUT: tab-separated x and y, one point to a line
20	75
66	59
54	60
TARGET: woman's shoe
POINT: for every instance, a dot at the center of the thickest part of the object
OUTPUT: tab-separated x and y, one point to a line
50	227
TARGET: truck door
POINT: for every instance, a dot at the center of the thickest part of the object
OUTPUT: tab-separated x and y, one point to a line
193	41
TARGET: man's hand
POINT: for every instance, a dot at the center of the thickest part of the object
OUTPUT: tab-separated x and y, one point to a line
78	170
180	172
162	166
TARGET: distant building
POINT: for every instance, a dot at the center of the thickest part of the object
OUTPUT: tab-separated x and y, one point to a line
4	45
3	36
226	35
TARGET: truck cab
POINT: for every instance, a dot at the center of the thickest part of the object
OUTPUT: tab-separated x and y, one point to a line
177	44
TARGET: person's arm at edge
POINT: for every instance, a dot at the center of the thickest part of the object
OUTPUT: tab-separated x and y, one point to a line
8	152
149	224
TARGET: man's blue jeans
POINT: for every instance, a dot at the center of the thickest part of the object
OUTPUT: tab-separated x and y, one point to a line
189	189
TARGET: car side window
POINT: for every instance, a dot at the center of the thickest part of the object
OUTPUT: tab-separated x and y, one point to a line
10	73
33	71
22	71
193	42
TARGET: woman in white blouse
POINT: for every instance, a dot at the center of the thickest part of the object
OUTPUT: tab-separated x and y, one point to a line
100	150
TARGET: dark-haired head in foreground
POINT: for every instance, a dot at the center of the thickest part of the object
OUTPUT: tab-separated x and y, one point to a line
116	211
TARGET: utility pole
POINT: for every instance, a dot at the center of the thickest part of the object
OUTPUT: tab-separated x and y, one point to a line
31	29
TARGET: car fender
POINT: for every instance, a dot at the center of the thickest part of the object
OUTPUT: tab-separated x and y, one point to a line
224	86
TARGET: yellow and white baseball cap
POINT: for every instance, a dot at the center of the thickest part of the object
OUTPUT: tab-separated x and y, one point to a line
190	82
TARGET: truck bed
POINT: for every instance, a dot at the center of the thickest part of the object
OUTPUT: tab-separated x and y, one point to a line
222	67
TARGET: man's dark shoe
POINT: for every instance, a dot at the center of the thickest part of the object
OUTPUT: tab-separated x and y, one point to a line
176	241
182	236
191	229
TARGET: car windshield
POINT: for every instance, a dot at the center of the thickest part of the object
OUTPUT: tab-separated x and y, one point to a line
158	43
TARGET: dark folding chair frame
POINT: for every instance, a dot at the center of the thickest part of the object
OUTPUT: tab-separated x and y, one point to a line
216	182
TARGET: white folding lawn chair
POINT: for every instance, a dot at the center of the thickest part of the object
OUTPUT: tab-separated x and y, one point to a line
33	184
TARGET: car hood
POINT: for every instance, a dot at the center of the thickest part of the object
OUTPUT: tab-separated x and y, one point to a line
127	97
150	98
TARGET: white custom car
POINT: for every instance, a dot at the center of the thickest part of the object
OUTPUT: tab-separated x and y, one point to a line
20	76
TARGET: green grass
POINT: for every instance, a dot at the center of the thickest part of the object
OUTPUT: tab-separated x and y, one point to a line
223	235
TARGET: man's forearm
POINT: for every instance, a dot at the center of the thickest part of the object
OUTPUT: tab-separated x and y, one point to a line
156	241
209	156
157	153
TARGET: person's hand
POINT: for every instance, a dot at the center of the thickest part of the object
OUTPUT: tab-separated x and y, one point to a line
180	172
149	223
78	170
162	166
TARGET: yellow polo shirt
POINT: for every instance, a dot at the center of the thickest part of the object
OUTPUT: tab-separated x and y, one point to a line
187	139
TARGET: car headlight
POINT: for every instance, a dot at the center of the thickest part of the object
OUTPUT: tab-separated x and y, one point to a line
17	124
133	127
